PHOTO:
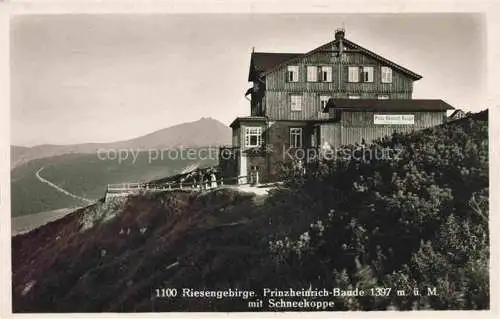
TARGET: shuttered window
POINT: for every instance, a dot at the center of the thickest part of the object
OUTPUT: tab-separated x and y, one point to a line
386	74
296	102
323	100
326	74
312	73
367	74
353	75
293	73
296	137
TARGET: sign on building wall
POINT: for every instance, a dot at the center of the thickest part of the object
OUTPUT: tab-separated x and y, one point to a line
400	119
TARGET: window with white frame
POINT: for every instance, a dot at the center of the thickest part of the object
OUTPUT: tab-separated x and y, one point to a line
293	73
312	73
353	74
383	96
296	102
368	74
326	74
386	74
323	100
296	137
253	136
354	96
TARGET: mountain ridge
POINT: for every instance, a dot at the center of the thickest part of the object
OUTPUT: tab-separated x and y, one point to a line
204	132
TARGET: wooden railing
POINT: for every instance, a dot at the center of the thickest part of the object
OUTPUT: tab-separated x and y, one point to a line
125	189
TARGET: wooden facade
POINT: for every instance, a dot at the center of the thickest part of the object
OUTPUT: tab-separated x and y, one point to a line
354	127
271	107
273	90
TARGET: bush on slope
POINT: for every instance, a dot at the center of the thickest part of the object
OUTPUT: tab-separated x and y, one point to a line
418	220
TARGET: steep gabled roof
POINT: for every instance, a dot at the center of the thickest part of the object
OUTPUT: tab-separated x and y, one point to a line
272	63
376	105
377	57
265	61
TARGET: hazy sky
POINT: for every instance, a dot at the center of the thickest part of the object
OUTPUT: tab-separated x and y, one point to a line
99	78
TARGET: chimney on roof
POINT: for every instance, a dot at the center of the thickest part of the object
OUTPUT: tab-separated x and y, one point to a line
339	33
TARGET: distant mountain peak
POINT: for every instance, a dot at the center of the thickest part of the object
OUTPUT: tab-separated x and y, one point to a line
206	131
209	118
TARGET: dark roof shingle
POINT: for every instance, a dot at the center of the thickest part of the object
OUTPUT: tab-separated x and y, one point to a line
388	105
264	61
237	121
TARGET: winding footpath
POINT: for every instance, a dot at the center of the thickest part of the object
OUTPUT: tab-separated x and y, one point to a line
62	190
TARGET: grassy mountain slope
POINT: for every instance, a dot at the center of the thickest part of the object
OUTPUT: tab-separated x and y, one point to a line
417	221
29	195
84	175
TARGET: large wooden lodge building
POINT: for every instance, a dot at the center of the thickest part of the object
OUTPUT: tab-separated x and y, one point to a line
339	93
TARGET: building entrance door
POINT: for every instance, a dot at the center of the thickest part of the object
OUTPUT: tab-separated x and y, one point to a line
243	169
315	138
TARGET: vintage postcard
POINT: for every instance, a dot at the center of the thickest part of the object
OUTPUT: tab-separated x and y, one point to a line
249	162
